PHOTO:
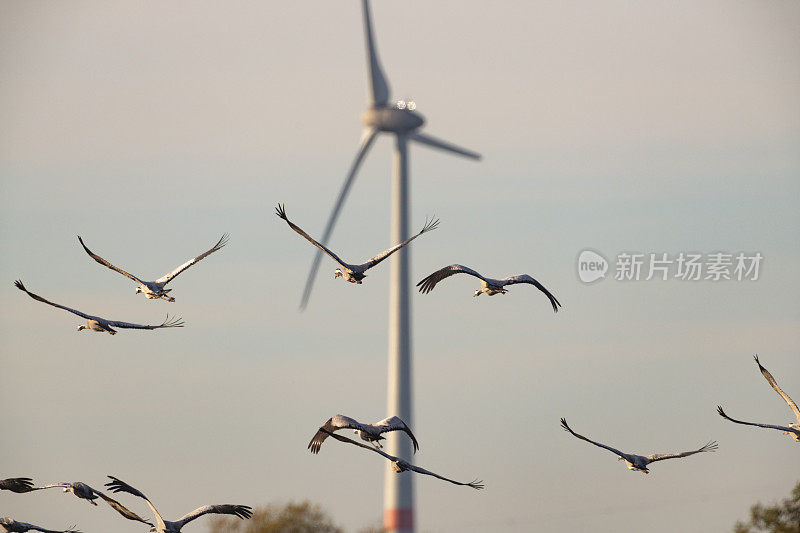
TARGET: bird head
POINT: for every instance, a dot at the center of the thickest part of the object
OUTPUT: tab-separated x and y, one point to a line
81	327
138	290
476	293
337	273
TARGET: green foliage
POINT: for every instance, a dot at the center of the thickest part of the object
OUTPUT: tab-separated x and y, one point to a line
783	517
303	517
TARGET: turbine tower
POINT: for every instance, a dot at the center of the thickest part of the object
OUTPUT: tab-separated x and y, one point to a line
404	122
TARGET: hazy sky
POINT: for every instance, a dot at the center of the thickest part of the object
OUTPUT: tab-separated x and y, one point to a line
151	128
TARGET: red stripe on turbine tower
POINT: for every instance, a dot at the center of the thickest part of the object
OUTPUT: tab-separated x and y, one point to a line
398	519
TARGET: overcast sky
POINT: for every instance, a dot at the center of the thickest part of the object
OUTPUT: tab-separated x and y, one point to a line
151	128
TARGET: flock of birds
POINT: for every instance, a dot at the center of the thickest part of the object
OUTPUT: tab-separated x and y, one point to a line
371	433
85	492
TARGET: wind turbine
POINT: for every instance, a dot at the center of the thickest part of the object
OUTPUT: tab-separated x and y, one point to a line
401	120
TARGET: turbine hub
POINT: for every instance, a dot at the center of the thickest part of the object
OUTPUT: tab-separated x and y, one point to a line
392	119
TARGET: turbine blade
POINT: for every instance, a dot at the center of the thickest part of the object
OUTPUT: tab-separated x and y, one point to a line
442	145
367	138
379	87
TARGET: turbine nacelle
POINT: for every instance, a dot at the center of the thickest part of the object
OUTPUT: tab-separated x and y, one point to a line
392	119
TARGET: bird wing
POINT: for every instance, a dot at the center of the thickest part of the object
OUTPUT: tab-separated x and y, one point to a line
121	509
21	287
166	278
117	485
475	484
335	422
428	283
768	426
281	212
242	511
429	226
774	384
708	447
609	448
524	278
395	423
28	527
168	323
17	484
109	265
43	530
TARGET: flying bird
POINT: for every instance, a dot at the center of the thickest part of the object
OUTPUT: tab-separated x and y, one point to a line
165	526
154	290
489	286
355	273
19	485
371	433
640	462
85	492
8	525
398	118
95	323
792	429
399	465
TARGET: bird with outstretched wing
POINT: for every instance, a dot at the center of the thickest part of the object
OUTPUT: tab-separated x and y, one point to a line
166	526
96	323
154	290
489	286
639	462
9	525
792	429
354	273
